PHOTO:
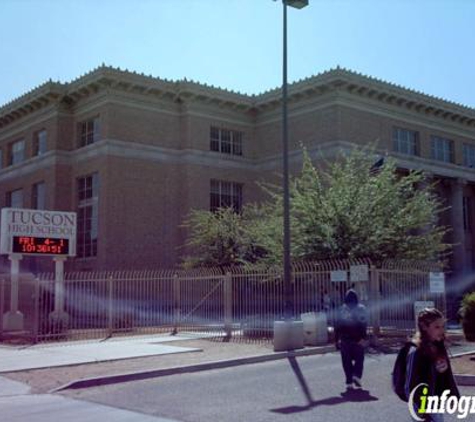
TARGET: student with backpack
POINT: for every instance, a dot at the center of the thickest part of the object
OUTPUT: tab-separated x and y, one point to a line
425	361
350	336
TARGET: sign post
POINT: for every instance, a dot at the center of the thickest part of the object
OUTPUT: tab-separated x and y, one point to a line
38	233
13	320
59	314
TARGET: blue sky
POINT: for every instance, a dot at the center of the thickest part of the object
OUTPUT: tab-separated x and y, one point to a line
425	45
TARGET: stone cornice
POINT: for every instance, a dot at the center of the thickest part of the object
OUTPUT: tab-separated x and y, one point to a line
105	78
40	97
344	81
336	81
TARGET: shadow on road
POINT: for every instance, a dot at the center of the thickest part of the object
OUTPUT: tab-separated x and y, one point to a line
356	395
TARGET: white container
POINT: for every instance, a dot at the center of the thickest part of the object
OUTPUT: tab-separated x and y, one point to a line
315	328
288	335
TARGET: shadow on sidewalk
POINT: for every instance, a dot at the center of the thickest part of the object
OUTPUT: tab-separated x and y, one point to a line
356	395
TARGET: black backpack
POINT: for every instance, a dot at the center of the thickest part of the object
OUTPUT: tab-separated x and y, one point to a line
399	371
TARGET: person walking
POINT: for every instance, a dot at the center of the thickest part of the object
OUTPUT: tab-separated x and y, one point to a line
350	336
428	362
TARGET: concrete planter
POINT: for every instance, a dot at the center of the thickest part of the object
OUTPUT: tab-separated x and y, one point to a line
288	335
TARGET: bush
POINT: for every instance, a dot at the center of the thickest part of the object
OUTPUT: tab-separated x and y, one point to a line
467	313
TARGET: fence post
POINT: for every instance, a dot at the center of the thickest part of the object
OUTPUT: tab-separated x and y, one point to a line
110	304
228	305
176	304
375	301
36	304
2	298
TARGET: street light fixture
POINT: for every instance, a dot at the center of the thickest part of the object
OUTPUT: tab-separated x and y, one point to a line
285	338
298	4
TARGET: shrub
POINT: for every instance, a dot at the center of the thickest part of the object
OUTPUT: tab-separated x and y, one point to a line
467	313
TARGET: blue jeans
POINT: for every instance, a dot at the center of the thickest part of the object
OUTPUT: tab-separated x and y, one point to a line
352	358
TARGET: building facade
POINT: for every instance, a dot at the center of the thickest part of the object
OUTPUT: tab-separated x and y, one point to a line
133	154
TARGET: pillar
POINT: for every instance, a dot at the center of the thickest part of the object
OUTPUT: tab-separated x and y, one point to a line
59	317
13	319
456	219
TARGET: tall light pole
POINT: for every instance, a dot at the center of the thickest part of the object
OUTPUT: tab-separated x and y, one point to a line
288	294
288	334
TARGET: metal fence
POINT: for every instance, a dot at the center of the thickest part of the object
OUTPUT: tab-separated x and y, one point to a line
234	302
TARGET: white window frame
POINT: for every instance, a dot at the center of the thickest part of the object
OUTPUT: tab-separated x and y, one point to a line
17	152
442	149
89	131
40	142
405	141
15	198
38	196
226	141
87	224
225	194
469	155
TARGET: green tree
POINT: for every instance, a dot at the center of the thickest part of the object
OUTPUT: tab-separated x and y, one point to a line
224	238
347	211
338	210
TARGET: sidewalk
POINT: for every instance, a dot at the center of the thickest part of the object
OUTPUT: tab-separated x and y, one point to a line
38	356
49	368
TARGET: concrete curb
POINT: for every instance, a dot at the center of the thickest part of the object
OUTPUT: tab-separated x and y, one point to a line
462	379
465	380
229	363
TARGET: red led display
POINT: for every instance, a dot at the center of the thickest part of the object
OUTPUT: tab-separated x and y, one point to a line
40	245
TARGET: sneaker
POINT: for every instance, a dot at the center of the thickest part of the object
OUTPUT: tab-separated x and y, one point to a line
357	382
349	386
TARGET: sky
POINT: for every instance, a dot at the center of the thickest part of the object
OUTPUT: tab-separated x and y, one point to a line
424	45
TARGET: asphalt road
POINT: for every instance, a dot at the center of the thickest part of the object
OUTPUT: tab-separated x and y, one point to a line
303	389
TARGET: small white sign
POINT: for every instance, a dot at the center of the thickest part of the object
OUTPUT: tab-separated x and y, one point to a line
437	282
359	273
339	276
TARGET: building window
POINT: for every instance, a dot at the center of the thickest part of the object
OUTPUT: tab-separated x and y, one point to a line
467	213
17	152
225	194
89	132
406	141
442	149
14	199
226	141
39	142
38	196
469	155
87	224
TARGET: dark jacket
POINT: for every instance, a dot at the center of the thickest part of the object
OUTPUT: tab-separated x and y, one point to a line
421	368
352	320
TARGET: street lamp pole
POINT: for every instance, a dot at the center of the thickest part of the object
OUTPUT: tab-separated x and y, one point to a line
288	334
288	294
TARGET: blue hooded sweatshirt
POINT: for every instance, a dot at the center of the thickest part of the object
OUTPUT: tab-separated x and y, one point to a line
352	321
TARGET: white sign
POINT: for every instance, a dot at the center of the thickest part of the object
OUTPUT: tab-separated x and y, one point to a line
437	282
37	232
359	273
420	306
338	276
